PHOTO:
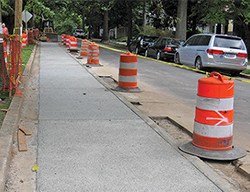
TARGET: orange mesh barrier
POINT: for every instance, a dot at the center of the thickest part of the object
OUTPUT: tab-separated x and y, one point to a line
13	64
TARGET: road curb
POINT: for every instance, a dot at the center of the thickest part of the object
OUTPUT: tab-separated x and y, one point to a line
10	124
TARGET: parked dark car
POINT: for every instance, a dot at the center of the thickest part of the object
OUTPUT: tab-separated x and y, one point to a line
138	44
163	48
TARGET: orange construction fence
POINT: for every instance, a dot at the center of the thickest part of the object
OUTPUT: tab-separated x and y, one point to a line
12	65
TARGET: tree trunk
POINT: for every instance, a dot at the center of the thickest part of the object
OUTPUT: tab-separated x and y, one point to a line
90	26
105	35
181	27
83	19
144	16
130	29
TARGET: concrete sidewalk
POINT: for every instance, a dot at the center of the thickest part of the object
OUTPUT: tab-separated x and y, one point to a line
88	140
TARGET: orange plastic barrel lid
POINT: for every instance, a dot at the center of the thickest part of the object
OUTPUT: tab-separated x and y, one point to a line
216	86
128	58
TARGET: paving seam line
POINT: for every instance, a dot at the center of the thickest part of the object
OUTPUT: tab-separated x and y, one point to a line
214	177
10	124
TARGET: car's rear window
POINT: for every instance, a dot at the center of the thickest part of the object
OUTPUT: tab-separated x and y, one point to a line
229	42
176	41
204	40
150	38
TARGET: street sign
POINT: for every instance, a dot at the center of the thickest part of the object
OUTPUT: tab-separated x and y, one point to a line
26	16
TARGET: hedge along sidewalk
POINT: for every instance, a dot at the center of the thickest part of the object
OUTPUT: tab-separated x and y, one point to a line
10	124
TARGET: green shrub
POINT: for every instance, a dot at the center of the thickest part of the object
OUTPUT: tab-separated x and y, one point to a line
247	71
149	30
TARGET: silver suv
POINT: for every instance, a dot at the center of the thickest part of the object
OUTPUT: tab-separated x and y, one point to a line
214	51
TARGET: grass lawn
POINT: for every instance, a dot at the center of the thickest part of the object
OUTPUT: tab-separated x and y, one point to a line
247	71
26	52
5	100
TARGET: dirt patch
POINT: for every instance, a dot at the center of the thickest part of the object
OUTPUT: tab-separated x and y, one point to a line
178	134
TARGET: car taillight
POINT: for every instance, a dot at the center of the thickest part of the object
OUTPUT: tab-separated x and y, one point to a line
214	51
242	55
168	49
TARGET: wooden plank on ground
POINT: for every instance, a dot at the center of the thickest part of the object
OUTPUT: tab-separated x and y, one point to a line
21	141
25	131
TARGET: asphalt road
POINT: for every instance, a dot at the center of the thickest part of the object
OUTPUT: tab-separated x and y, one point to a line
182	84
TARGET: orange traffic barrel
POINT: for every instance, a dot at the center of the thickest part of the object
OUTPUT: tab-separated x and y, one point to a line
84	48
127	80
24	40
93	54
63	36
73	44
64	41
67	40
213	124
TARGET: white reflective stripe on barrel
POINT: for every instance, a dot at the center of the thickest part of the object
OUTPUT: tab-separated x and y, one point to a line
213	130
128	65
127	78
215	104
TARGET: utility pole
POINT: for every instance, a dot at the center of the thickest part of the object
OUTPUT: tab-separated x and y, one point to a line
18	16
1	51
1	12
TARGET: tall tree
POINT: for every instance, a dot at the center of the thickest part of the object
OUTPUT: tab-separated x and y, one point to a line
144	21
181	26
106	6
130	27
39	9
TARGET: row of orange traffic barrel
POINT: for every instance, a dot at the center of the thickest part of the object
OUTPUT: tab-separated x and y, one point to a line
213	124
91	50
